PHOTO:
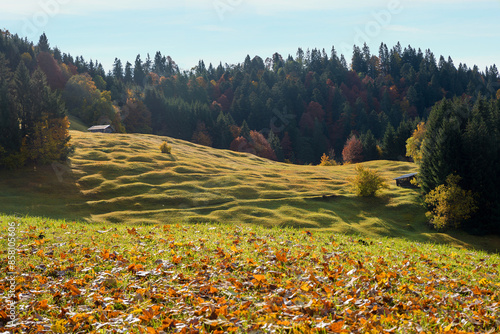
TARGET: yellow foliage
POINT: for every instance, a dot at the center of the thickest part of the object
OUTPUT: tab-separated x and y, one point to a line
165	148
325	161
50	141
414	143
451	204
367	182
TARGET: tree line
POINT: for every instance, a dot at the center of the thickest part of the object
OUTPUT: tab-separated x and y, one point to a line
298	108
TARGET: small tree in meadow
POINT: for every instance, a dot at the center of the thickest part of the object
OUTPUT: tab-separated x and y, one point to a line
327	161
451	205
366	182
165	148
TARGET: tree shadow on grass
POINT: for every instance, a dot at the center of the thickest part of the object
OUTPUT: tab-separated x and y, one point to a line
48	191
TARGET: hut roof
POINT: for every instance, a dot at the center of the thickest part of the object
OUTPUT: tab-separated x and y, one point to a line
407	176
99	127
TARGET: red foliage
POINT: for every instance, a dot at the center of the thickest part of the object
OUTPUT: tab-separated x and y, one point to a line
224	102
353	150
262	146
55	77
201	135
240	144
258	145
229	94
286	145
314	111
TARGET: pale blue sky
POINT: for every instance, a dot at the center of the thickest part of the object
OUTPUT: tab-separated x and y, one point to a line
227	30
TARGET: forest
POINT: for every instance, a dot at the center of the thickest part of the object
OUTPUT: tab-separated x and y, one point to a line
294	109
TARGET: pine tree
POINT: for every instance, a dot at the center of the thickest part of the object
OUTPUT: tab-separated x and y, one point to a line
389	144
43	43
10	139
442	145
139	74
21	98
275	145
118	69
369	142
245	130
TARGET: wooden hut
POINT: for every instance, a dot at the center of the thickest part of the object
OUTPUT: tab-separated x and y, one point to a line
101	128
405	180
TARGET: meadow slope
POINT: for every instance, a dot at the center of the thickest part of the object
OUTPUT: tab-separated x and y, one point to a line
123	178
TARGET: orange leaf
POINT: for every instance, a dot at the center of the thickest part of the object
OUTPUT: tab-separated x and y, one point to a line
151	330
42	305
337	327
259	278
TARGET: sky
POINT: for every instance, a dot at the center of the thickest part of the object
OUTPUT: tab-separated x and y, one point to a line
228	30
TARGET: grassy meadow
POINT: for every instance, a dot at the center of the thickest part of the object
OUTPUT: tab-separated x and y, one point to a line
124	178
74	277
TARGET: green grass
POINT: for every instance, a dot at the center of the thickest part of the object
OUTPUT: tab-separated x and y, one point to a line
123	178
76	124
75	277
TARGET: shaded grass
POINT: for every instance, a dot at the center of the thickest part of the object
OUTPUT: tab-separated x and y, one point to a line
122	178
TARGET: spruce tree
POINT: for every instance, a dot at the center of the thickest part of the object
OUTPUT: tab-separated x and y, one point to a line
10	139
21	98
389	144
274	141
369	142
245	131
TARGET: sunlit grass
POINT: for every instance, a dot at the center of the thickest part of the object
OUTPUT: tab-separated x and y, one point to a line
97	277
124	178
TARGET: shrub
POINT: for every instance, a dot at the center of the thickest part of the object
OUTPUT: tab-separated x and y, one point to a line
451	205
165	148
367	182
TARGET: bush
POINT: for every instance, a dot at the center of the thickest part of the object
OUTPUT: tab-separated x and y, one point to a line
165	148
451	205
367	182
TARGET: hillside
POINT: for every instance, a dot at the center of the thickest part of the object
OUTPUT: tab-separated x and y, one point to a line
125	179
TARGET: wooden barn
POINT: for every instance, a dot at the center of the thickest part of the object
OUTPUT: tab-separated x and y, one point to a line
405	180
101	128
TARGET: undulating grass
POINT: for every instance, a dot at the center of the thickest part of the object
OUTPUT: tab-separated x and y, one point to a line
124	178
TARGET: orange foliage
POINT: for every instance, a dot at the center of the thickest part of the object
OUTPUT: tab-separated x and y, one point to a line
353	150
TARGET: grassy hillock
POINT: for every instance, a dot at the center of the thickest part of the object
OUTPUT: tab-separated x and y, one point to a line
123	178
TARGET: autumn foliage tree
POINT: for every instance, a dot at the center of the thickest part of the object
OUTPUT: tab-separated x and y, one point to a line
201	135
39	128
136	116
450	204
257	145
56	78
353	150
414	143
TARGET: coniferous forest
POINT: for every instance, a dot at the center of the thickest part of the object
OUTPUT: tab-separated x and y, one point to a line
293	108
